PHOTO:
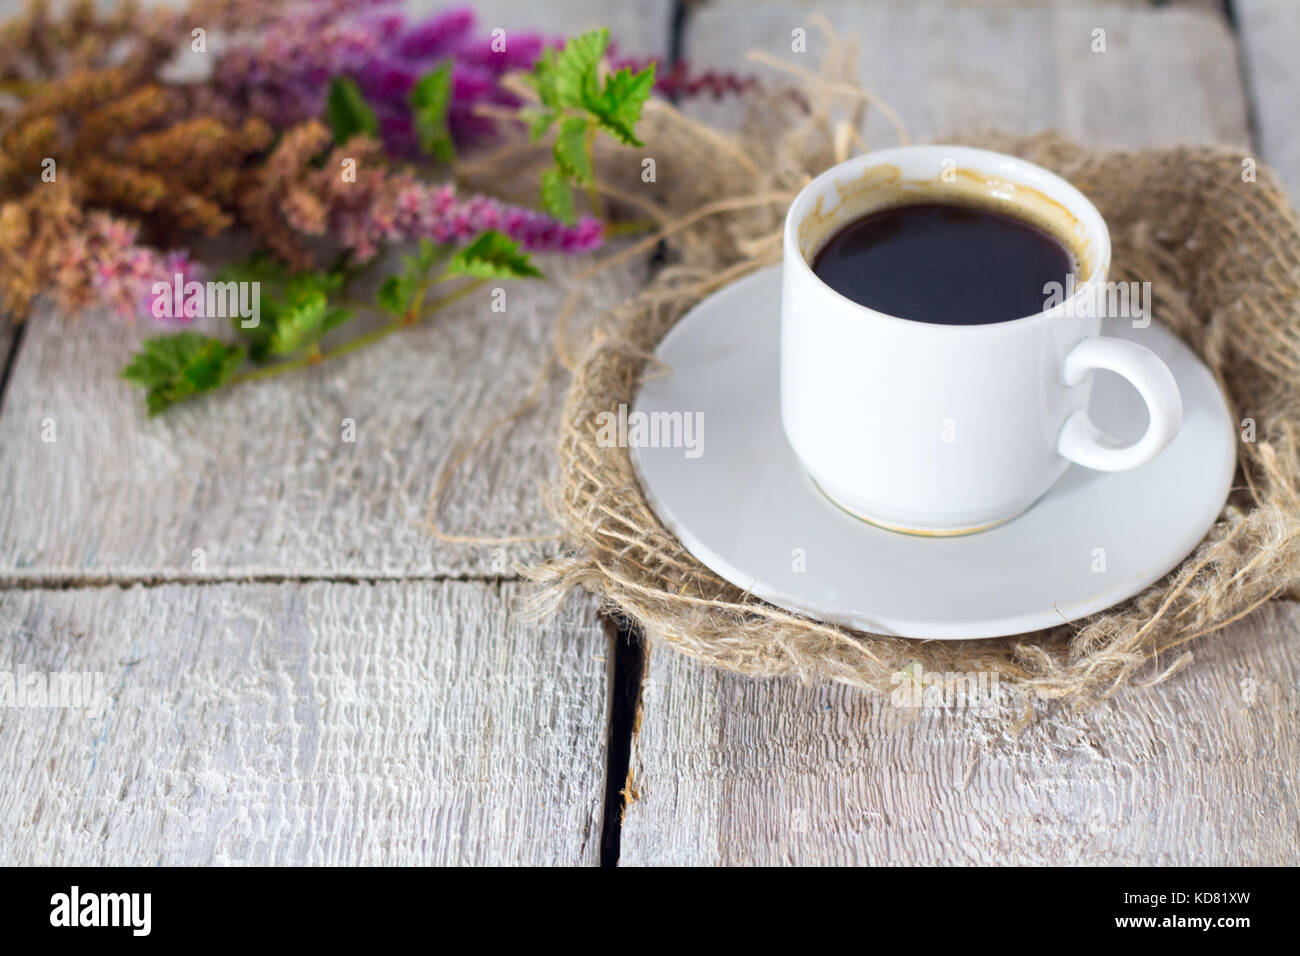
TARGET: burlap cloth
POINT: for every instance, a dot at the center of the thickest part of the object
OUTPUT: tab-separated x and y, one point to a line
1223	255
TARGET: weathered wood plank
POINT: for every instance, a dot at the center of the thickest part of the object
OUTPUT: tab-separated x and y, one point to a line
325	723
1167	75
817	4
1270	36
8	339
642	28
1201	770
261	479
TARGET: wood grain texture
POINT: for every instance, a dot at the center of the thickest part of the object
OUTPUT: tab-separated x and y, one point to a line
817	4
260	479
376	721
644	27
1203	769
8	338
1168	75
1270	43
345	720
323	723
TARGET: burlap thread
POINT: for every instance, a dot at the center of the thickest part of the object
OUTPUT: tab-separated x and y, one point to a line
1223	255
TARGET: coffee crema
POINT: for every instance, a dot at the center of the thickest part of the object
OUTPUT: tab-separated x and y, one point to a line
944	263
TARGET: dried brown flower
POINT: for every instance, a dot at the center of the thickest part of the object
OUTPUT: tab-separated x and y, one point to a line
275	203
87	126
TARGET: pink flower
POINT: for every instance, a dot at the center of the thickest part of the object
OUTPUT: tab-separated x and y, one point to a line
426	211
122	272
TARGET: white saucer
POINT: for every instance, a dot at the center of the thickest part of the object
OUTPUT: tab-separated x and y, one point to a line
747	510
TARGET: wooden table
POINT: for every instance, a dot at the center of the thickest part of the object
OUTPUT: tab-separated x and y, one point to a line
299	673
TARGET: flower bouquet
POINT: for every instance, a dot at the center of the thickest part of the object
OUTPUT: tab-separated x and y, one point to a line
330	140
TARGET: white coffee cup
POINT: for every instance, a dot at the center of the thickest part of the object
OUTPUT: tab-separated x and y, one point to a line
948	429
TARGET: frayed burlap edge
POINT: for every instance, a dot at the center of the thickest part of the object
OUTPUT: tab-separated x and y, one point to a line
1221	251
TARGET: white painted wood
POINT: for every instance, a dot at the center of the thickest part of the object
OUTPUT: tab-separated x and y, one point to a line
1270	43
1201	770
641	28
324	723
259	478
422	721
8	334
299	721
1168	75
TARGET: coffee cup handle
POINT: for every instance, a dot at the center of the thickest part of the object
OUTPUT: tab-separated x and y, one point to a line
1082	442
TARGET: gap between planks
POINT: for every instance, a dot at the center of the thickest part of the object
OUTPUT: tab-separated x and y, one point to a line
627	666
1228	9
56	582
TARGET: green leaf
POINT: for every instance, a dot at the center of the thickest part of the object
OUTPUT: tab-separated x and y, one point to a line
259	267
172	368
430	98
571	150
300	323
291	316
336	316
543	78
493	255
576	70
539	122
557	195
302	285
618	107
348	112
569	79
270	274
430	252
257	337
395	295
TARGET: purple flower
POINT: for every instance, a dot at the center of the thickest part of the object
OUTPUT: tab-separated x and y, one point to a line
441	35
284	76
425	211
521	52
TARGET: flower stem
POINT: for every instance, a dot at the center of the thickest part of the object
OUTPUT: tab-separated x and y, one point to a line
593	194
315	357
630	227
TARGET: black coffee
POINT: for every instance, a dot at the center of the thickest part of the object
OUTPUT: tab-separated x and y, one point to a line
944	263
